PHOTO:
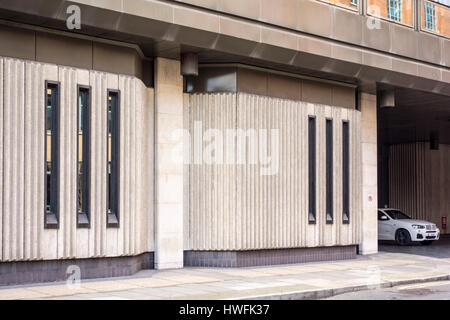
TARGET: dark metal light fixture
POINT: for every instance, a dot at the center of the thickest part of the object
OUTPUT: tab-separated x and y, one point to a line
387	99
434	141
189	64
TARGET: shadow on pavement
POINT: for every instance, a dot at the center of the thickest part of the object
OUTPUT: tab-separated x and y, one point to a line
439	249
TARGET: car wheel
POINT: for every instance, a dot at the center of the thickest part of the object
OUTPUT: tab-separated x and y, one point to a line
402	237
426	242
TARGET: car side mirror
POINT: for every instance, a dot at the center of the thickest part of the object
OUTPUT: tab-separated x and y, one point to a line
384	218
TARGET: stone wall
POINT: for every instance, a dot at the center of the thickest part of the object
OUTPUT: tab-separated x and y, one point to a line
249	206
418	180
22	170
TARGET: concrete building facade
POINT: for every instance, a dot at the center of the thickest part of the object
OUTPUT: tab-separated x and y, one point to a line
220	133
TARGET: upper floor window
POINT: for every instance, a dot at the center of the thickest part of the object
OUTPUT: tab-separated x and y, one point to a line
349	4
435	17
395	10
399	11
430	16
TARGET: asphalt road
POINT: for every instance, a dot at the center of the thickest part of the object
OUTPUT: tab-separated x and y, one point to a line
424	291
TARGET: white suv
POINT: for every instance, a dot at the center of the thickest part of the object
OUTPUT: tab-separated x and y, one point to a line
395	225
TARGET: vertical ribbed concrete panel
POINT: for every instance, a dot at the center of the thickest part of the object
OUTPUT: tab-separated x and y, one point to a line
241	206
147	164
22	169
130	173
125	177
436	184
141	164
408	176
49	237
98	134
422	189
1	159
213	220
68	162
13	161
34	161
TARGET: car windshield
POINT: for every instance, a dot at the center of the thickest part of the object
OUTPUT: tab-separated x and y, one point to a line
397	215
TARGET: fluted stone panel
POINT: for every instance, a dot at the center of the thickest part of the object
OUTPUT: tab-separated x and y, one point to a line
1	157
235	207
22	170
418	181
13	158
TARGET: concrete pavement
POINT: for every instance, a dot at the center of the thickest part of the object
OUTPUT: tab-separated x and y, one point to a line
302	281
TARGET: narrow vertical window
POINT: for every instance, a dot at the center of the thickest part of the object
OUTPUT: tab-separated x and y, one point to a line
345	173
113	158
329	171
51	154
84	103
312	169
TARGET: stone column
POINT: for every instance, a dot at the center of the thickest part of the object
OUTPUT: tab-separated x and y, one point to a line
368	103
168	170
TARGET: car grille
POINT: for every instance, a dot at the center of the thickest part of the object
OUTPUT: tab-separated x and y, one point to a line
431	227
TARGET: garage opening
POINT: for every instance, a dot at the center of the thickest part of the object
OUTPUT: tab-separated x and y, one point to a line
414	155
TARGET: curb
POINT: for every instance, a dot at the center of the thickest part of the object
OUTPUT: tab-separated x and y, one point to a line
327	293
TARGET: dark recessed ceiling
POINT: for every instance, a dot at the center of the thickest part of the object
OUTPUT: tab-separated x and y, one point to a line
415	117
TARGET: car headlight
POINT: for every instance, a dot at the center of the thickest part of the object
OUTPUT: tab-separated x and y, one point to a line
418	226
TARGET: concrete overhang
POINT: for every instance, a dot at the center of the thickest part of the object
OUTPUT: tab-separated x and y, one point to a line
163	27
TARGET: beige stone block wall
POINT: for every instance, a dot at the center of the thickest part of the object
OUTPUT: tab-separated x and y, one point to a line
22	169
368	131
234	207
168	171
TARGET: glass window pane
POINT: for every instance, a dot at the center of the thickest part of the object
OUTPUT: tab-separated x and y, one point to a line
48	169
329	170
346	172
435	18
83	150
113	157
312	169
48	122
51	144
80	183
351	4
395	10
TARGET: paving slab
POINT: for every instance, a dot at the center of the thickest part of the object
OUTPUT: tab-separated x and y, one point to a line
300	281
